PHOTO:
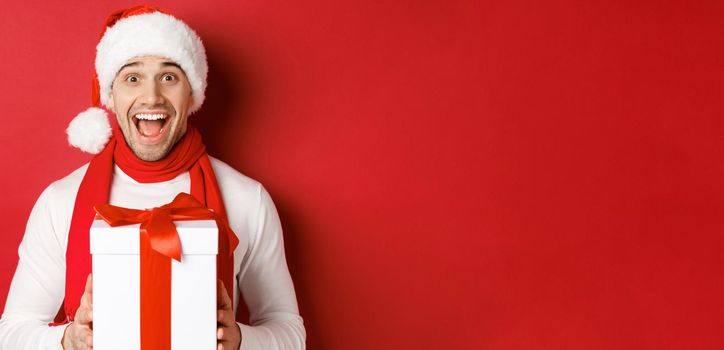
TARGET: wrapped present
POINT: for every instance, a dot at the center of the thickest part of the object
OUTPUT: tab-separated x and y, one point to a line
154	281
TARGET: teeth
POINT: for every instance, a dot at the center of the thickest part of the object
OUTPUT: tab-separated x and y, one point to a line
146	116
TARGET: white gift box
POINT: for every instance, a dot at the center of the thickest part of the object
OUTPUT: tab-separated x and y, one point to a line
116	286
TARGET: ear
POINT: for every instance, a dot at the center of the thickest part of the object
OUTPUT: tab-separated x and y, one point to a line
111	103
190	101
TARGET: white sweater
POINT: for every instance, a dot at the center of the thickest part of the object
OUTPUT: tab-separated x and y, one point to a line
38	287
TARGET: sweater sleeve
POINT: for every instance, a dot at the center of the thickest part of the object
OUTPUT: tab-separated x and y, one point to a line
267	287
37	288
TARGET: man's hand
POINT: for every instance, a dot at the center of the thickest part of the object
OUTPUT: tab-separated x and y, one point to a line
228	332
79	334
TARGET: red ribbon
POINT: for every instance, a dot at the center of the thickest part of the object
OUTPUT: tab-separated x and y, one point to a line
159	244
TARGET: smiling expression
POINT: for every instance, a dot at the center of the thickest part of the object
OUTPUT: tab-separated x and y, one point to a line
151	97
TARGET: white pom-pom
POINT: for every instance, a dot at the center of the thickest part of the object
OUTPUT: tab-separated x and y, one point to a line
90	130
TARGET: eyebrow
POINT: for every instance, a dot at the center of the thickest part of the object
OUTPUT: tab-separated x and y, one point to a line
138	63
171	64
132	64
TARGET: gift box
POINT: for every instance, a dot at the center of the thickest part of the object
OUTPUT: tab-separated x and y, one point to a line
120	305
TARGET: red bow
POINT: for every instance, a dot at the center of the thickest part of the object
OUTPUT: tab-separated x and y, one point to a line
157	223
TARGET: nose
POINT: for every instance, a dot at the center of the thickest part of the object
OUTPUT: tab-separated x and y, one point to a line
151	94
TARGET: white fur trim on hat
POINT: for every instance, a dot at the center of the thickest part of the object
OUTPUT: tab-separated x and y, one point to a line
90	130
152	34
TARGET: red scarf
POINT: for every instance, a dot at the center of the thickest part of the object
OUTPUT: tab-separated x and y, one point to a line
189	154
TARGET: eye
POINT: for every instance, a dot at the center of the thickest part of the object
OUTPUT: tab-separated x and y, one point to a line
132	79
168	77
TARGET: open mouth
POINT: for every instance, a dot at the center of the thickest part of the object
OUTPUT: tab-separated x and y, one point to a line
150	126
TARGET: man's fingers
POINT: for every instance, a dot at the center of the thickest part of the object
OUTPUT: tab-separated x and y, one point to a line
86	301
222	297
224	346
225	318
84	339
224	315
81	337
228	337
83	317
89	284
79	334
223	342
87	298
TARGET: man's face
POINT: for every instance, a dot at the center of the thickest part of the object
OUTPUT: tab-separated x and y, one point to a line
151	97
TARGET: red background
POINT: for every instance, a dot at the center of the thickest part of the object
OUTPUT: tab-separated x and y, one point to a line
449	174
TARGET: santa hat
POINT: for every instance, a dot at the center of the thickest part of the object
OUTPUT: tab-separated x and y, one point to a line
137	31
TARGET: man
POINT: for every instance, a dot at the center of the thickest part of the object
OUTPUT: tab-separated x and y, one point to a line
151	74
